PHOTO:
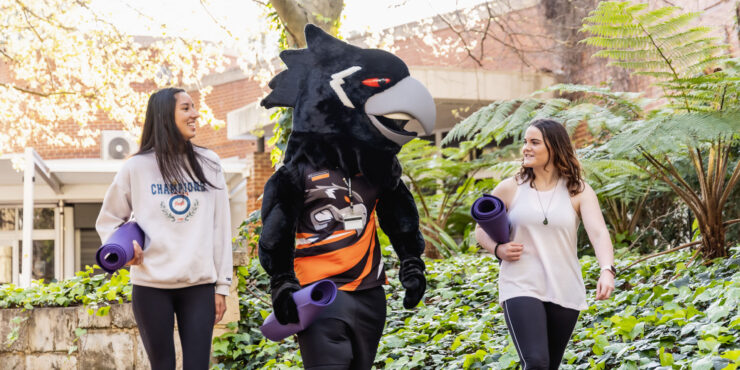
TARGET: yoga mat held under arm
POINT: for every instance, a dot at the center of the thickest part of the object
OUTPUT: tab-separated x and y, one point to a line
119	248
490	213
310	301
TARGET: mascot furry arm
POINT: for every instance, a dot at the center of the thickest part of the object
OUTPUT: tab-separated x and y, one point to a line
350	107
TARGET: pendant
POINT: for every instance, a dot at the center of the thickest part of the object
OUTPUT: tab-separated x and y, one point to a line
545	221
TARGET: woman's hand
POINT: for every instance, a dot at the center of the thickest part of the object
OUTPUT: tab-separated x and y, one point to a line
605	286
138	255
510	251
220	307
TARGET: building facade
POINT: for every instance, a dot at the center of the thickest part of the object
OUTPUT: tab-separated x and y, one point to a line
69	183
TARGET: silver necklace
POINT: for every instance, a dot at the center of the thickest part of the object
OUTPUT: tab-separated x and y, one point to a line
544	211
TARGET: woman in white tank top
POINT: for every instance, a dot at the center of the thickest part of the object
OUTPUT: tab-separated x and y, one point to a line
540	283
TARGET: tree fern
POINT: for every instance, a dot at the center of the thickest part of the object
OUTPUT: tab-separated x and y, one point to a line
674	134
600	107
659	43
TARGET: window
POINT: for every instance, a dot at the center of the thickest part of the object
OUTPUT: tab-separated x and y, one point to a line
42	266
7	219
43	218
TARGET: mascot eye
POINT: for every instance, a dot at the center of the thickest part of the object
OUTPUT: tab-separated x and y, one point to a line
376	82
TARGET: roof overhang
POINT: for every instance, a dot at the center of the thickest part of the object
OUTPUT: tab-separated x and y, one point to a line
81	179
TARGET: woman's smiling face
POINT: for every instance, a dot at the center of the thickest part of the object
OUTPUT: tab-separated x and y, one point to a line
535	152
186	116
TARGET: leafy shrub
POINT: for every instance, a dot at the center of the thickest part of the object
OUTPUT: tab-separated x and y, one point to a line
83	289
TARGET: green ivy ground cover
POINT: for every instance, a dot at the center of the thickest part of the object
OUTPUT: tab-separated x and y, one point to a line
663	316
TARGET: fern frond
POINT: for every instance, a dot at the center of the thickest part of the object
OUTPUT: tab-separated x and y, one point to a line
709	62
471	125
667	134
649	65
611	31
629	54
638	42
653	16
656	74
498	120
517	122
671	26
681	38
502	170
551	108
613	12
666	47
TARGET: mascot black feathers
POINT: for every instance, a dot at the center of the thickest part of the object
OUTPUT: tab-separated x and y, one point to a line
340	168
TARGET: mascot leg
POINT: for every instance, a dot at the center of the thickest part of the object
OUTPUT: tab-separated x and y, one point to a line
347	333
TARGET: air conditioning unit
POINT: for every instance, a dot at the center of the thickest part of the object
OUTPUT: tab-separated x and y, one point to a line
117	145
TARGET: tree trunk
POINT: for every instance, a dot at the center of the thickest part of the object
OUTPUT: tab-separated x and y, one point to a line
430	251
295	14
713	237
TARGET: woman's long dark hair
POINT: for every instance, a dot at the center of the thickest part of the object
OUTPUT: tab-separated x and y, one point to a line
562	155
161	134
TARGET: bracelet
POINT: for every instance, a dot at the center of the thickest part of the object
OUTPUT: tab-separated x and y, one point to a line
611	269
495	251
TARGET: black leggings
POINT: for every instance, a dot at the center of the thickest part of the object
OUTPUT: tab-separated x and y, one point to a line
347	333
540	330
155	311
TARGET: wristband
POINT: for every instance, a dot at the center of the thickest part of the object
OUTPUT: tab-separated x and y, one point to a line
495	252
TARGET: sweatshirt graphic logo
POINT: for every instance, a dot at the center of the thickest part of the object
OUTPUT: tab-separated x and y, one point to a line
179	208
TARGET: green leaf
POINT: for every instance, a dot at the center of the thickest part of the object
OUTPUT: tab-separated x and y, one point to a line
732	355
705	363
600	342
102	311
710	345
666	358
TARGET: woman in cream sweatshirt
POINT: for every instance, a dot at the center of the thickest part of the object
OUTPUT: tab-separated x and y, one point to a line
177	194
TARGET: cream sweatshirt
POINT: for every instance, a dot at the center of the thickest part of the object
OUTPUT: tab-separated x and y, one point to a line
187	227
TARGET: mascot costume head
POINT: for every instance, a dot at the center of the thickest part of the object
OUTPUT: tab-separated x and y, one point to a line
351	106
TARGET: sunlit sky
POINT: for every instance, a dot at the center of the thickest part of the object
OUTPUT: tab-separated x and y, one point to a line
189	18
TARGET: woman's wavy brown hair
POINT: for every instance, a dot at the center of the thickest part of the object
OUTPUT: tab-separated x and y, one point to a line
562	155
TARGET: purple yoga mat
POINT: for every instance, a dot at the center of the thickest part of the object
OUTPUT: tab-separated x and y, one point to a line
119	248
310	301
490	213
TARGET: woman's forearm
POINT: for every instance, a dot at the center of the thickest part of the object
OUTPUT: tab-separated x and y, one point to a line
484	240
603	249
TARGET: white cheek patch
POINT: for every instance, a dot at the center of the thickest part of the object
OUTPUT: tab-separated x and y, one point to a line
337	80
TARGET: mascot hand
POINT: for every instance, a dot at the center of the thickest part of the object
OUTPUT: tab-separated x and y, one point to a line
283	304
412	278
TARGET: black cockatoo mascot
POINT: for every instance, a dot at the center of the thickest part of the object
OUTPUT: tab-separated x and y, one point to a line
340	169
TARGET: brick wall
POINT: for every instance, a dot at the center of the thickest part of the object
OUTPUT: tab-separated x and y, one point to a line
223	99
260	173
495	55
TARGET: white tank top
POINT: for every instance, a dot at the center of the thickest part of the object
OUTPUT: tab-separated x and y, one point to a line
548	268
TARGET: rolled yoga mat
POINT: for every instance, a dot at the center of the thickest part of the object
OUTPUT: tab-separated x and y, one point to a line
119	248
310	301
490	213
